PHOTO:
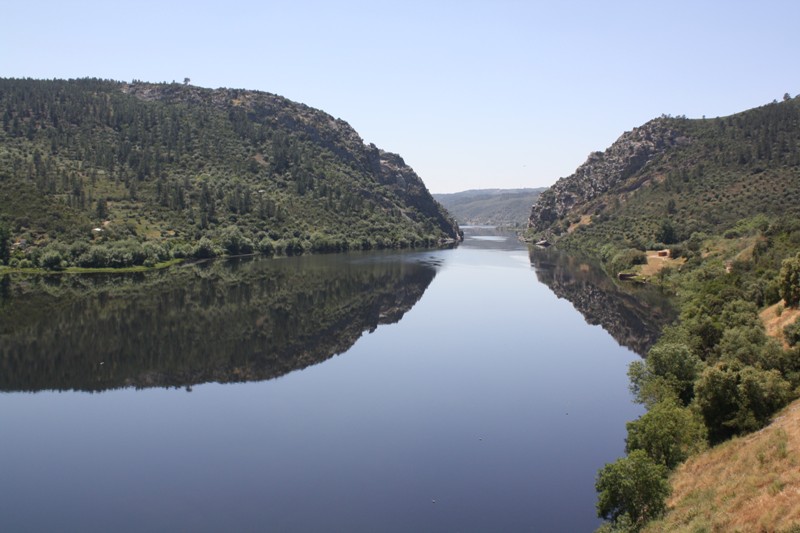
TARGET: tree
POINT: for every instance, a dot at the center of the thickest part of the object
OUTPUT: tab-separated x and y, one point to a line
102	209
5	236
666	233
789	281
186	81
234	241
669	367
734	398
668	433
633	487
51	260
204	249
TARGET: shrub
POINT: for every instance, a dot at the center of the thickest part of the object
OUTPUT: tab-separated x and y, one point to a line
265	247
204	249
51	260
234	242
792	333
154	253
626	259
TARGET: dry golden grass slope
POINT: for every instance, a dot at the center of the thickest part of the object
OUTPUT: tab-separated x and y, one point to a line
750	483
776	317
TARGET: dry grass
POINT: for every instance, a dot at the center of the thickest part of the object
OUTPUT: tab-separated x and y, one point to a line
750	483
776	317
656	262
584	221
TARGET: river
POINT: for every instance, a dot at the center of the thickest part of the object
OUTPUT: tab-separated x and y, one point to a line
470	389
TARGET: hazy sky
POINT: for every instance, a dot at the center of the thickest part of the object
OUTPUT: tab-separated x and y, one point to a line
473	94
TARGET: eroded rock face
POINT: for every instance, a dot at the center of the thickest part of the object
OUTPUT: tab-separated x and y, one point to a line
602	172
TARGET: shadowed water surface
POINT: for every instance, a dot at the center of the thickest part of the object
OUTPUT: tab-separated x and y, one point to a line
465	396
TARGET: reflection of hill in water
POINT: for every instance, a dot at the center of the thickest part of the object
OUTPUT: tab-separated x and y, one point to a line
491	238
633	315
224	322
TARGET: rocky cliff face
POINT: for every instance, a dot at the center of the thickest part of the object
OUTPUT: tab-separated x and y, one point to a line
614	169
393	172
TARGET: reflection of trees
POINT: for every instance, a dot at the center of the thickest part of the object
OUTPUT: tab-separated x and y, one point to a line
234	321
633	315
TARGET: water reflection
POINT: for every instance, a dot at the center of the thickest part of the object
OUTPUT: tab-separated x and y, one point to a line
633	315
239	320
491	238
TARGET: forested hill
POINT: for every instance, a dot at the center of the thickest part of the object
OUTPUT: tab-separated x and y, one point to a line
494	207
105	173
672	177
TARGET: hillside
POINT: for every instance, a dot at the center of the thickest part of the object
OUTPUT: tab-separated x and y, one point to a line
673	177
490	207
91	171
709	211
748	484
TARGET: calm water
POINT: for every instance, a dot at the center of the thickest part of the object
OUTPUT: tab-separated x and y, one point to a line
442	390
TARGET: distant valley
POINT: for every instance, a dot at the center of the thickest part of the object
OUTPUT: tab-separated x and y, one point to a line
492	207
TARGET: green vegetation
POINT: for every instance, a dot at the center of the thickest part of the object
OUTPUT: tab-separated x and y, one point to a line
98	174
727	176
491	207
226	321
632	490
716	371
722	196
789	282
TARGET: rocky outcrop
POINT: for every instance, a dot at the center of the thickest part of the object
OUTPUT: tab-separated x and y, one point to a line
603	172
401	179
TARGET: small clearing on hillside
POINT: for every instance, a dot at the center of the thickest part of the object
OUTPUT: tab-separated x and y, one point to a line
658	260
776	317
584	221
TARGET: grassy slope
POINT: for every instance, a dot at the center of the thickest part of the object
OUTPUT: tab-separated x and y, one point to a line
750	483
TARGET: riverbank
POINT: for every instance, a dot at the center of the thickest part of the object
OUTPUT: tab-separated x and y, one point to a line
84	270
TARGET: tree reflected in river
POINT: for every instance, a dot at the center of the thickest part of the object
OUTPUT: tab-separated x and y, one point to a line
224	321
633	315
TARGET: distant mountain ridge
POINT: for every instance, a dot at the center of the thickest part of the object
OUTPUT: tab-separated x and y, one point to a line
98	162
495	207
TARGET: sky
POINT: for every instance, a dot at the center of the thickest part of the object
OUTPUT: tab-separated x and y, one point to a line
472	94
